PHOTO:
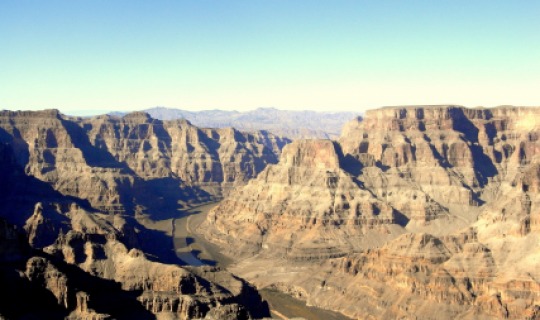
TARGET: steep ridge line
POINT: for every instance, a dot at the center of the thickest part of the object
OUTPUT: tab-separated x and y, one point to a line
436	201
77	187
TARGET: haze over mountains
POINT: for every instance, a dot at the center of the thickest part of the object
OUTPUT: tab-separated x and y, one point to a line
291	124
425	211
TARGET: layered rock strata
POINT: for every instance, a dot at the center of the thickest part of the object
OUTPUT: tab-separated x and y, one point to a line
121	164
428	212
457	193
305	207
94	276
75	262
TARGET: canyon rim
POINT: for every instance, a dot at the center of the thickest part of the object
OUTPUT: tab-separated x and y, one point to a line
419	211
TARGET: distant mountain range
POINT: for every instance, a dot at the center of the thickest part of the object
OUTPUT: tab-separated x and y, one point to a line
292	124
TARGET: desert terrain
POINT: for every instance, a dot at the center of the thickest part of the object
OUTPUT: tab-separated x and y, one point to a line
413	212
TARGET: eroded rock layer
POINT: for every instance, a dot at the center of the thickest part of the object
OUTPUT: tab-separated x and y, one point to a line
65	247
134	162
85	275
305	207
427	212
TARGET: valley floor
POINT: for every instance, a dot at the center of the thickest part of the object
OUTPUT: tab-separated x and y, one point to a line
193	249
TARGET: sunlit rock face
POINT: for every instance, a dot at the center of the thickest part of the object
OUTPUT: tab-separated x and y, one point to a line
119	164
454	151
305	207
425	211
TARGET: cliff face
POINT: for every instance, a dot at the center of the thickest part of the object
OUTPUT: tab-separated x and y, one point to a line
181	293
18	285
65	244
86	275
452	191
118	164
159	149
463	149
306	192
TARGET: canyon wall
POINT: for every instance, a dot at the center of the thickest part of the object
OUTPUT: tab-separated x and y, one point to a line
426	211
70	194
135	162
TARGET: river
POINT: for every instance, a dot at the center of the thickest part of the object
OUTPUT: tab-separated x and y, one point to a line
193	249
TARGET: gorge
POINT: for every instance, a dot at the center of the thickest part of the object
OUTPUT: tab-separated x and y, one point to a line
425	211
420	211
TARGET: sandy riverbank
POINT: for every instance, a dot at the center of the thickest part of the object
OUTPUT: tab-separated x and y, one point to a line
193	249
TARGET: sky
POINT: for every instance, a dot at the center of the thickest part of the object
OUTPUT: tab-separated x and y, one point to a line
103	55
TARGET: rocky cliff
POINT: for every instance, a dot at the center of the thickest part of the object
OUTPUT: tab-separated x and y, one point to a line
120	164
426	211
85	275
70	241
415	212
305	207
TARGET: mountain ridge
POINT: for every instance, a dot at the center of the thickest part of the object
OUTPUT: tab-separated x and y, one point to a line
429	211
414	211
287	123
74	195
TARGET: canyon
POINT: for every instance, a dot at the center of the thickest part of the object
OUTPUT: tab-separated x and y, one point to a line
425	212
74	191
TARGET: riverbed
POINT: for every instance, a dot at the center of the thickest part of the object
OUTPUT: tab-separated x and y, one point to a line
193	249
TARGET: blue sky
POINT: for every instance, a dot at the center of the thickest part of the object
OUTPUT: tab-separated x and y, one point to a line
323	55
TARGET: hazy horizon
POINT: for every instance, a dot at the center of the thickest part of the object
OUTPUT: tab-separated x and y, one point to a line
95	112
92	56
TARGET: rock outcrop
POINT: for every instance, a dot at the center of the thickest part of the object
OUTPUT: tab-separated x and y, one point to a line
91	276
73	261
306	207
180	293
453	196
135	162
21	285
94	276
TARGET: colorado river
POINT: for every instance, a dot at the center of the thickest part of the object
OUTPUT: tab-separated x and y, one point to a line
193	249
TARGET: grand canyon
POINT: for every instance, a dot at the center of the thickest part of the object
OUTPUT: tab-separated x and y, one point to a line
414	212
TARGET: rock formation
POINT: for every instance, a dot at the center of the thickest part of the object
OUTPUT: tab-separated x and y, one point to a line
451	197
94	276
119	164
414	212
70	243
306	192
